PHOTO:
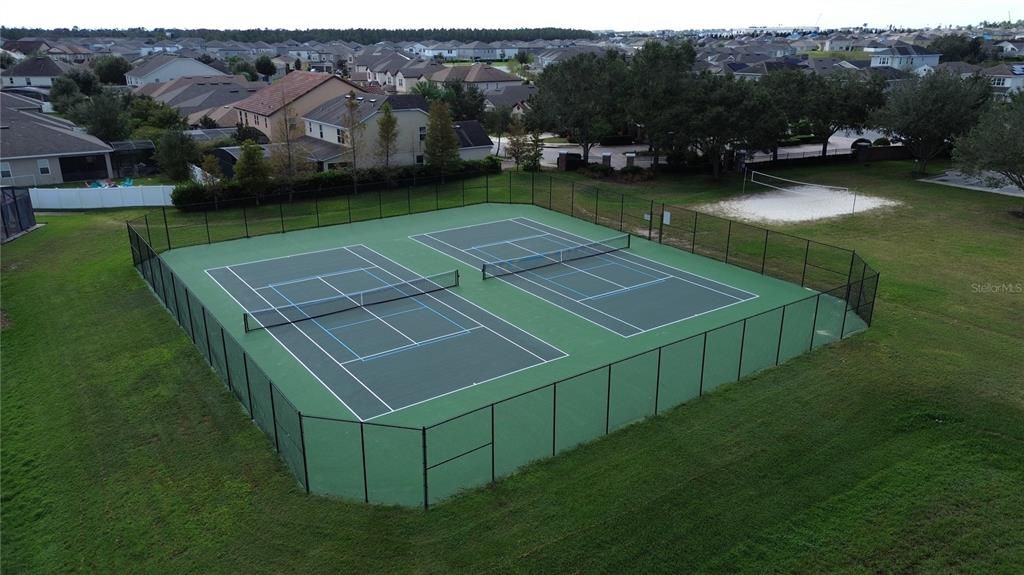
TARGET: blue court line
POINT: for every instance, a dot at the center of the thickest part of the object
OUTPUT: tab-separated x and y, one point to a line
559	284
313	277
421	304
425	342
508	241
626	289
320	325
362	321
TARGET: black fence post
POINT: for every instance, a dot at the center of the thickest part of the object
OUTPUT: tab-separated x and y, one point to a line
693	242
846	303
572	199
206	330
554	416
764	253
743	339
492	443
728	241
273	416
807	252
280	212
167	229
362	452
597	204
657	382
245	221
782	327
661	223
248	388
435	196
650	221
608	403
316	207
622	209
814	322
703	361
551	179
380	205
191	322
302	443
227	364
874	298
426	496
510	186
149	234
177	306
348	209
206	224
408	200
487	188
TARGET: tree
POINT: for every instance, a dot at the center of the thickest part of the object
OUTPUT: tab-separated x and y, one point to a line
208	123
145	112
534	153
244	68
174	152
111	69
583	96
298	64
243	133
523	57
516	148
428	90
958	48
289	159
996	144
657	75
87	82
6	60
212	174
205	58
717	107
103	116
464	102
354	128
442	145
840	101
928	113
497	121
265	66
387	135
341	67
252	171
64	94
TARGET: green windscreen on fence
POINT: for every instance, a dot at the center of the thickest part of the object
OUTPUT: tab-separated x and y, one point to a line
394	464
199	326
679	380
236	367
523	430
582	408
262	408
218	357
761	342
459	454
334	457
289	434
634	385
797	328
828	325
722	356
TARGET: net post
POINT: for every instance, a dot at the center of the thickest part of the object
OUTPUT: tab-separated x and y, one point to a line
302	442
149	234
426	482
728	241
807	252
814	322
782	327
245	321
764	253
206	224
167	229
362	453
245	220
703	362
608	402
273	416
629	240
743	340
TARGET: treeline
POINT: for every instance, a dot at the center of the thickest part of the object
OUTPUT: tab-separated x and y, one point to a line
360	35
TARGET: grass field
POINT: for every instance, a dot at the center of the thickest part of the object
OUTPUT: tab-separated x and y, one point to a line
898	450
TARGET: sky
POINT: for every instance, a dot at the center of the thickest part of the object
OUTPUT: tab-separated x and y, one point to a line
655	15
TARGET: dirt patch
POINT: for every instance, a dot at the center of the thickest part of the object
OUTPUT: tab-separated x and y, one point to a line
5	321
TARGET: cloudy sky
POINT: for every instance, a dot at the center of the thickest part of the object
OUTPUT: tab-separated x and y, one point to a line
518	13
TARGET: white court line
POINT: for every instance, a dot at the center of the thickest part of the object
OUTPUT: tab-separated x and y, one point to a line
542	286
626	289
616	256
509	241
286	348
321	276
488	328
492	222
311	340
345	248
413	345
567	264
369	311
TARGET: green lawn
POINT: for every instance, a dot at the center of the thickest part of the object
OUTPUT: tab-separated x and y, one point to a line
899	450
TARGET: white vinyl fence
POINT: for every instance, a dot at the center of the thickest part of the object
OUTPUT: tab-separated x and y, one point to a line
91	198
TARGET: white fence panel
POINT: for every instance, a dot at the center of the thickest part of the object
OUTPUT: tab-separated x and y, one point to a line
92	198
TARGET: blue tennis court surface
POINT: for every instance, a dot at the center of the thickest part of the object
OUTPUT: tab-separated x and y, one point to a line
378	358
618	290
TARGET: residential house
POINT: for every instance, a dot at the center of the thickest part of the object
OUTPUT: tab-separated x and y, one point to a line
39	149
477	51
38	71
516	98
197	96
474	144
1011	48
484	77
838	43
28	46
904	57
1006	80
413	73
288	99
165	67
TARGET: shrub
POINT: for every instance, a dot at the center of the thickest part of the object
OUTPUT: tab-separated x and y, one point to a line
881	142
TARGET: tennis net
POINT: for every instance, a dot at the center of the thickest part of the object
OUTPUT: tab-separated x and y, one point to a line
533	261
275	316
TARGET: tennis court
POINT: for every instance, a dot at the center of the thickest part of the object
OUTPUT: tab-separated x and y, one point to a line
602	282
378	336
